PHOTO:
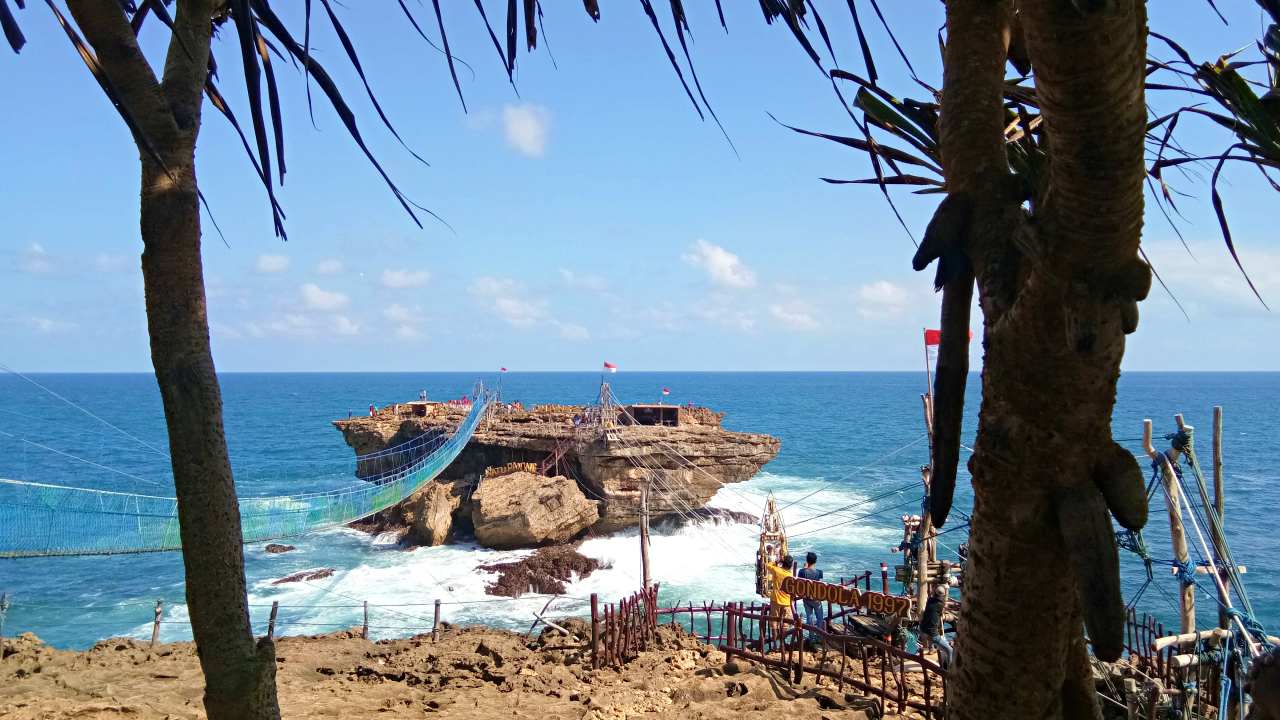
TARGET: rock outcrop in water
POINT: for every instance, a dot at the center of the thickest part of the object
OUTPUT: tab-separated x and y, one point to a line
522	509
687	456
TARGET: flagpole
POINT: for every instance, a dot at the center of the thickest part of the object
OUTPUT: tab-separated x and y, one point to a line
928	372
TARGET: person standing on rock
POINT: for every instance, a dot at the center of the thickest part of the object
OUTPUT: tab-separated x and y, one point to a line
931	625
780	610
812	608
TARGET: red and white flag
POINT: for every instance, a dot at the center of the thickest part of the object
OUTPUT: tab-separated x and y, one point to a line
666	391
502	369
610	367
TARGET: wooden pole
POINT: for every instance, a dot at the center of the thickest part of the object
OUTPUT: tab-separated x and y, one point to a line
884	578
364	629
4	610
155	626
271	621
1177	532
435	622
595	632
1219	539
644	533
926	518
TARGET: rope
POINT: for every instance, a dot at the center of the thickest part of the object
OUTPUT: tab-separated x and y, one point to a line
127	434
80	459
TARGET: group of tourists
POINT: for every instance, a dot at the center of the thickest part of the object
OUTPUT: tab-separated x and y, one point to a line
782	606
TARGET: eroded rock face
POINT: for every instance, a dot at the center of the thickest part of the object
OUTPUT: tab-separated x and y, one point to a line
523	509
697	456
429	512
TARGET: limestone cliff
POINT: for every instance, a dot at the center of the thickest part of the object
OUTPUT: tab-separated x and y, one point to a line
687	460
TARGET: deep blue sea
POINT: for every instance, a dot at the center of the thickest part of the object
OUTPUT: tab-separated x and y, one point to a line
852	445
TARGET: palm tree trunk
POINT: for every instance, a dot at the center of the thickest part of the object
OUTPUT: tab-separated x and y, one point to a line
1054	284
239	673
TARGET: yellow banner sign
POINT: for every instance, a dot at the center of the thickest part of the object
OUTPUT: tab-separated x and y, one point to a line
873	602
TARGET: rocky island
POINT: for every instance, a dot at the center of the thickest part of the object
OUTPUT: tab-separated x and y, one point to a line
545	475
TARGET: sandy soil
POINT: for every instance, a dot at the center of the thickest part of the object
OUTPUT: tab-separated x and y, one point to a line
467	673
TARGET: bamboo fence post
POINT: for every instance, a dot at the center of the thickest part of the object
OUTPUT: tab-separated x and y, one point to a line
1177	532
435	622
922	550
271	621
595	632
1219	507
155	626
364	629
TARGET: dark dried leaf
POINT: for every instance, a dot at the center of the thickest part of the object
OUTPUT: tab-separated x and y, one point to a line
355	63
277	28
448	56
671	56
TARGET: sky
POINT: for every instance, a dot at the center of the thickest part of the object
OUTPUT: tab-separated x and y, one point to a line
591	214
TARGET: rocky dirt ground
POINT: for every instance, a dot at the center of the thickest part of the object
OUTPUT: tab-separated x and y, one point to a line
467	673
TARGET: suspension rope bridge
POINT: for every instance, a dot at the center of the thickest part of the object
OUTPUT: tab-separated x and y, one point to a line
39	519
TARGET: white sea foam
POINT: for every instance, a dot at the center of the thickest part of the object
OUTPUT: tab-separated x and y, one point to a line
708	559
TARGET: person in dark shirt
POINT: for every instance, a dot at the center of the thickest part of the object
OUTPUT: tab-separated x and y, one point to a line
812	608
931	625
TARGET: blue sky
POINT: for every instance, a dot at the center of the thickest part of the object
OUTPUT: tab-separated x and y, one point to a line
595	216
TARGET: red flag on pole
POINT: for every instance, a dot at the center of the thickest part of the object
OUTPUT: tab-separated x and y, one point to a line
932	337
502	369
666	391
610	367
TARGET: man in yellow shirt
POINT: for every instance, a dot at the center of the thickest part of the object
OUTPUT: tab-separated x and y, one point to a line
780	609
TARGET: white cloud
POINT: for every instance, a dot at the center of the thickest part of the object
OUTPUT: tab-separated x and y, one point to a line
400	279
329	266
50	326
35	259
343	325
722	267
506	299
270	264
320	299
407	320
224	332
1211	278
572	331
583	281
108	263
882	299
720	311
527	127
396	312
796	316
292	324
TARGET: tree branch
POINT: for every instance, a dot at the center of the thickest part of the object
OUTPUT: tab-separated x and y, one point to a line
187	62
1089	69
106	28
972	137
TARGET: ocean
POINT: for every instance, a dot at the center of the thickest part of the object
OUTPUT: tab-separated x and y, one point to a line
852	447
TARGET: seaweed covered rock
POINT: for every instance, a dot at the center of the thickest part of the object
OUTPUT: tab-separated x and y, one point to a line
544	572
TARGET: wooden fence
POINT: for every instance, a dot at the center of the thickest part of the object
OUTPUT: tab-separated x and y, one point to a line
877	669
620	631
894	677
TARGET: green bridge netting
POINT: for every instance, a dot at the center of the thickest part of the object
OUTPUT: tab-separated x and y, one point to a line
41	520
